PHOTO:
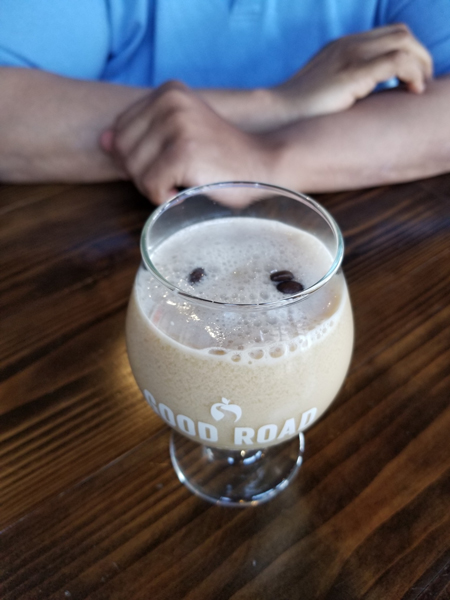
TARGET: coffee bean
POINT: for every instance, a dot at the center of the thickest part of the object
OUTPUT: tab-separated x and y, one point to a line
281	276
290	287
196	275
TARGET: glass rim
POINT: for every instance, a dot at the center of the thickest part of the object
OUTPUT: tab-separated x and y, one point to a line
305	199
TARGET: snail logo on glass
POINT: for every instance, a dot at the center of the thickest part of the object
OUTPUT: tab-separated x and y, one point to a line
218	409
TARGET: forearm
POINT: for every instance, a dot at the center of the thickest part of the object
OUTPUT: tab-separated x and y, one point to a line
387	138
256	110
50	125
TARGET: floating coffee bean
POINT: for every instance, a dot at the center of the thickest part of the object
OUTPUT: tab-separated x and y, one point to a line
196	275
281	276
290	287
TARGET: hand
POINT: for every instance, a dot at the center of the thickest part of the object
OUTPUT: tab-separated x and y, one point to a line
349	68
172	139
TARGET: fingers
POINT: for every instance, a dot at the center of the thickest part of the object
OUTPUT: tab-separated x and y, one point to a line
145	130
152	141
156	166
408	71
398	38
176	140
349	69
379	32
149	142
161	180
393	64
395	46
134	124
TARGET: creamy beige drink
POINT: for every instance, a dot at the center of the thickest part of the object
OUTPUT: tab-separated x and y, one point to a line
238	376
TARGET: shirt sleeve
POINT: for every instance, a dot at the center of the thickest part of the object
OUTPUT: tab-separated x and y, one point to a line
428	20
61	36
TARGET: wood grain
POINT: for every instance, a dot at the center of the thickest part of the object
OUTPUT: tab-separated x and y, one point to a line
90	504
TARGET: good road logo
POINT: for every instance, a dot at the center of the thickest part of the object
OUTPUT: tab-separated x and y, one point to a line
242	436
217	410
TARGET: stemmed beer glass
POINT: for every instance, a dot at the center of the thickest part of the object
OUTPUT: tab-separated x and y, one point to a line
239	332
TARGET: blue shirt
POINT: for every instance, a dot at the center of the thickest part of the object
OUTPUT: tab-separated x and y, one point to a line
207	43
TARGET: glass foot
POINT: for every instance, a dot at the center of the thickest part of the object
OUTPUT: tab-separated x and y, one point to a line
235	477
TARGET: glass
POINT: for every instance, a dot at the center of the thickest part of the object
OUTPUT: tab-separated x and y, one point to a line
237	355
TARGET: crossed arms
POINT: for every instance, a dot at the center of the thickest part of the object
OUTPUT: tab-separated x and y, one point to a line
322	130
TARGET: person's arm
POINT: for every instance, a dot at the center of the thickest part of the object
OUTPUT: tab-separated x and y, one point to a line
343	72
386	138
49	126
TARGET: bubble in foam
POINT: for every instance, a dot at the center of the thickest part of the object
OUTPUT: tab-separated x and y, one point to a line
257	354
276	351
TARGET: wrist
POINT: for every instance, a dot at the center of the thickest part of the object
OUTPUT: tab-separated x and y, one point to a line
273	158
266	108
256	110
286	161
276	108
294	101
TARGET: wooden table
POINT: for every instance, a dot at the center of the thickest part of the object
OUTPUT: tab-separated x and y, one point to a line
90	504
